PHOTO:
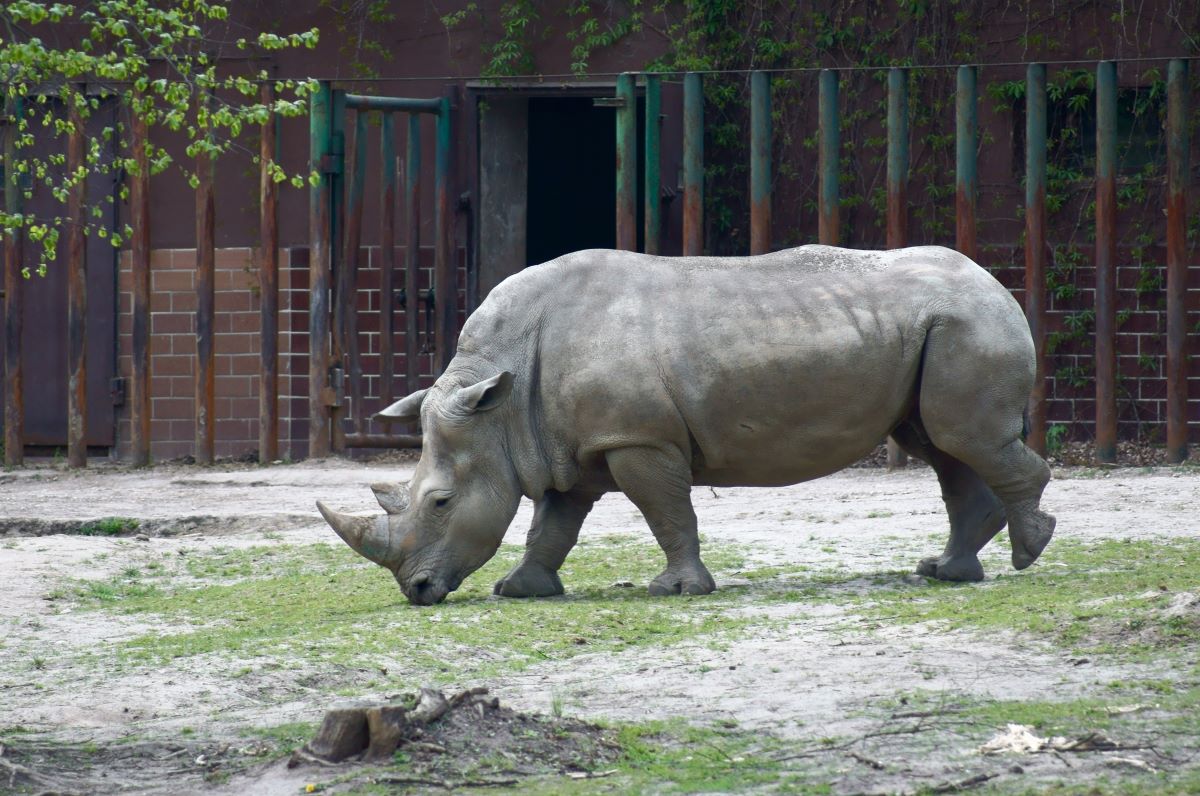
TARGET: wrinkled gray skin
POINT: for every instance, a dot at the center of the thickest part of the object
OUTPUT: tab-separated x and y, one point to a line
603	371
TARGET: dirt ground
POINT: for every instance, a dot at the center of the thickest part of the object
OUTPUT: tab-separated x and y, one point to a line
809	676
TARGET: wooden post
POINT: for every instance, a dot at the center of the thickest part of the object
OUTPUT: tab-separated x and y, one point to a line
139	208
626	163
445	258
268	284
206	360
387	263
412	254
319	229
14	294
76	290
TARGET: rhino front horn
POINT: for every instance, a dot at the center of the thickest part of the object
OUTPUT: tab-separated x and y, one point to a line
369	537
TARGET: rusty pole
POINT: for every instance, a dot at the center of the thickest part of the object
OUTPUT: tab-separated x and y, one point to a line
626	163
827	214
1035	245
1106	261
319	230
206	360
336	368
412	254
445	258
693	164
268	285
1177	265
966	182
653	173
760	162
76	291
346	313
14	292
387	262
139	212
897	194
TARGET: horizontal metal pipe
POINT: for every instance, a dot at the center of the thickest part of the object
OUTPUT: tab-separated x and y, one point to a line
355	440
363	102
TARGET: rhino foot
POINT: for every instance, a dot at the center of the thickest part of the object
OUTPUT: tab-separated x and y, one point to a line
1030	532
963	568
690	581
529	580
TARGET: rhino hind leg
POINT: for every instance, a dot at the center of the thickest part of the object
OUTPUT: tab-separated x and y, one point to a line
972	402
557	518
659	483
976	514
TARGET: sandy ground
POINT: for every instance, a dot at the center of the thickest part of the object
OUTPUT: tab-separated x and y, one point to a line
809	680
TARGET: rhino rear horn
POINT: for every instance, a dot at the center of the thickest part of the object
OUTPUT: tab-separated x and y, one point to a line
406	410
392	497
370	537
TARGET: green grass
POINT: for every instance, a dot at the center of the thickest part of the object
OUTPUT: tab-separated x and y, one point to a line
108	526
324	603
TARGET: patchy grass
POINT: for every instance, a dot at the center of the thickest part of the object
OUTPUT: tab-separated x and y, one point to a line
324	603
1100	597
108	526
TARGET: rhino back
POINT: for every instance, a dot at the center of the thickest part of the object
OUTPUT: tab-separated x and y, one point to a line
768	370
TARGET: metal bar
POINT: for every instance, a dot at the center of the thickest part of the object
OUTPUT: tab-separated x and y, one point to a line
897	159
337	217
1106	261
347	292
364	102
1035	245
14	294
357	440
76	289
760	162
139	209
626	163
693	164
445	258
827	212
412	254
897	194
320	221
268	286
1177	265
206	360
966	182
387	262
653	173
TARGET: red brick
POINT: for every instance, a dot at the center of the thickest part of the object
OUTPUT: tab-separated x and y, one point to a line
171	365
171	323
172	408
181	300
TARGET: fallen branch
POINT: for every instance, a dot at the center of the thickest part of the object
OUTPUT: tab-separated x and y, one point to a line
875	764
970	782
399	779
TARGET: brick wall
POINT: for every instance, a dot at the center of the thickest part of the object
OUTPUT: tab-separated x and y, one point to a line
237	331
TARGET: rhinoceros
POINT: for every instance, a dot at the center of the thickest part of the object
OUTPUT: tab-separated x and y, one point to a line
606	371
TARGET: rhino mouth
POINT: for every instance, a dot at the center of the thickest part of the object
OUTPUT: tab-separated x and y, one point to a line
424	589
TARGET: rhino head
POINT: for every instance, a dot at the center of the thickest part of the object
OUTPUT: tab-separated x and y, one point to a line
449	520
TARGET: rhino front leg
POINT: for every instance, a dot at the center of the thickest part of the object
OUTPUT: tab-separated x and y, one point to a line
659	482
557	518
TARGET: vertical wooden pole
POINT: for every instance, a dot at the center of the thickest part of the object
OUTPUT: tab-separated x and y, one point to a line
268	284
206	360
693	164
1177	265
653	173
897	194
445	257
966	182
828	133
626	163
1035	245
336	368
1106	262
139	209
14	294
412	254
76	289
760	162
347	279
319	230
387	261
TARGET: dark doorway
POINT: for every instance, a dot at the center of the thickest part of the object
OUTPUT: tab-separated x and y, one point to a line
572	177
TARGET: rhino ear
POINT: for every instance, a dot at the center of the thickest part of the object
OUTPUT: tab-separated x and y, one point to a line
487	394
406	410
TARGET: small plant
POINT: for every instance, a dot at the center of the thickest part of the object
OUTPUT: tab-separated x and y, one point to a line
108	526
1056	438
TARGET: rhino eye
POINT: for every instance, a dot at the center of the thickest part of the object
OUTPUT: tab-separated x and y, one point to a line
441	502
